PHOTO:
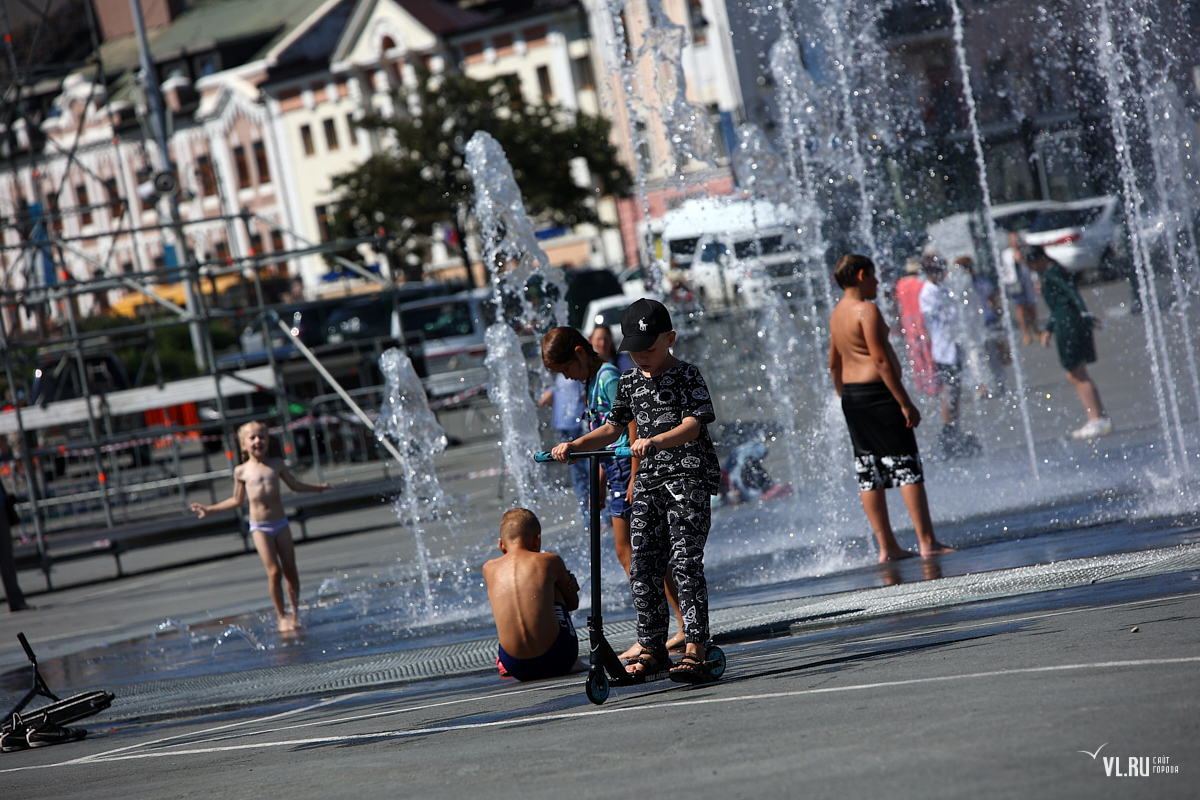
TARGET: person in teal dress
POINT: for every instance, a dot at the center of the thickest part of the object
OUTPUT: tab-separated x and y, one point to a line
1071	325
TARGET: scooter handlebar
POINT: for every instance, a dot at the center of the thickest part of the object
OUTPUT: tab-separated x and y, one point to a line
617	452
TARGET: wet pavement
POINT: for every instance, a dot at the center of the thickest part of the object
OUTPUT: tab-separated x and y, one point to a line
994	698
981	673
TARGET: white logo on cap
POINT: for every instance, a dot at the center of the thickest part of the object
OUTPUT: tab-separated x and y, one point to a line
642	324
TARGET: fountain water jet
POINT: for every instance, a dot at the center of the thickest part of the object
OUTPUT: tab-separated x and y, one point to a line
512	253
405	418
990	227
1116	74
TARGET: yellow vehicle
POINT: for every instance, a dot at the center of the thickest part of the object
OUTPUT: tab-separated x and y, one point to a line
217	291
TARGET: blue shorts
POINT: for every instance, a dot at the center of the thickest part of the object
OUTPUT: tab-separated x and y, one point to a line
556	661
618	471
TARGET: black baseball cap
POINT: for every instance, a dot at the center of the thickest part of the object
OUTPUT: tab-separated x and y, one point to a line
642	323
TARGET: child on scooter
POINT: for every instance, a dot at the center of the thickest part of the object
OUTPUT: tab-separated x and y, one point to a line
678	472
566	352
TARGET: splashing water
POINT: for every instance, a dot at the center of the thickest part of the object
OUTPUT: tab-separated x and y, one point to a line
510	248
330	592
508	389
512	252
990	229
236	633
168	625
1118	80
686	126
405	418
782	343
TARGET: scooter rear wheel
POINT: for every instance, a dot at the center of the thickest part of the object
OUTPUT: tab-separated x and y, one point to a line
596	687
715	657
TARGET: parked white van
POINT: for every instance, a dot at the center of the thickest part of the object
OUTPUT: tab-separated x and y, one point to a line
733	249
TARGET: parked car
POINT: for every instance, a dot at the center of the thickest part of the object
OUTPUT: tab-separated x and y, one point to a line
684	226
607	311
586	285
451	333
1080	235
367	318
962	234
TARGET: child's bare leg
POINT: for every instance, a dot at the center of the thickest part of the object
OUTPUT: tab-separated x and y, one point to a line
623	546
875	504
287	561
918	509
1089	395
270	558
678	640
1027	325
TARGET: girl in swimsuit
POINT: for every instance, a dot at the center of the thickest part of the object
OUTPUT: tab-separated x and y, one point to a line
258	478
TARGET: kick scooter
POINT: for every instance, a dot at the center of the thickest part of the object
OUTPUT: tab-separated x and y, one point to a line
47	725
606	668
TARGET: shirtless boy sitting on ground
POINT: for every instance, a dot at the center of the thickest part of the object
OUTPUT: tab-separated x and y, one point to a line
532	596
878	410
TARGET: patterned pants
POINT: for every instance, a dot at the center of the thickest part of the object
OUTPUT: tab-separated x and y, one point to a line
668	529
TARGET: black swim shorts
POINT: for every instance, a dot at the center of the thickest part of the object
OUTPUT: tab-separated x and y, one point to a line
885	448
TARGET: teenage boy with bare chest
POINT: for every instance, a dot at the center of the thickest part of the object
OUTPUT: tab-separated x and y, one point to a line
878	410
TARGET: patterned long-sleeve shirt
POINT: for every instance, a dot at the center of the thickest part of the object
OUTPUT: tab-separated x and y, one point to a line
660	404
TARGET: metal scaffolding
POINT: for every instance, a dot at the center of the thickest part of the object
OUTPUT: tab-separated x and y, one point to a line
49	293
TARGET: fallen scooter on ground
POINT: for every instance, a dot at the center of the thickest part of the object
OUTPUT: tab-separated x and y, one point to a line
47	724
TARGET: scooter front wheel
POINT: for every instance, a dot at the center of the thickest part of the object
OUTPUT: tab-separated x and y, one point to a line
596	687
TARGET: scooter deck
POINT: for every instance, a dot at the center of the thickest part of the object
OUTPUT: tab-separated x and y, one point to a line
659	674
60	713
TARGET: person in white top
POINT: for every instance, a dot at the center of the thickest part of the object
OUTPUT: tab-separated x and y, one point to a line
1017	280
941	320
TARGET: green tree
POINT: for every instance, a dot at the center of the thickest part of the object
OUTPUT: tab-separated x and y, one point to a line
421	179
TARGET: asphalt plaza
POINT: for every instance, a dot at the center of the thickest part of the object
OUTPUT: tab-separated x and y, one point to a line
992	699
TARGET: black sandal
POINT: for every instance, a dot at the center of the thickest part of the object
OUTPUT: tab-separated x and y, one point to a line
690	669
651	662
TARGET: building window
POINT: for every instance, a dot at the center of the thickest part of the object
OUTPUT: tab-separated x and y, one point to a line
543	75
127	268
698	22
208	178
306	137
208	65
643	147
331	135
625	37
256	248
581	69
260	161
242	166
276	240
350	126
85	210
222	251
116	204
52	212
323	223
472	50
